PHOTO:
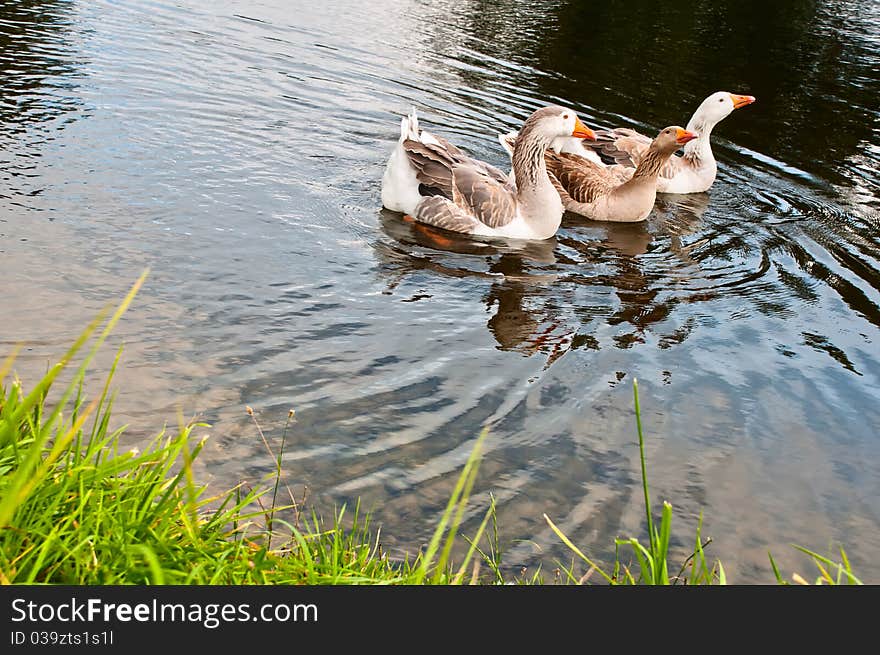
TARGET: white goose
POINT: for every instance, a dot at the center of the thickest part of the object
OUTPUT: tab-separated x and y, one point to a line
435	183
696	170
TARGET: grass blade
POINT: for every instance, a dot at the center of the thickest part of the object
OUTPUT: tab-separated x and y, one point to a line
576	550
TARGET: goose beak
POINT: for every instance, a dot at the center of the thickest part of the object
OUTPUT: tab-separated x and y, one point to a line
581	131
741	101
683	136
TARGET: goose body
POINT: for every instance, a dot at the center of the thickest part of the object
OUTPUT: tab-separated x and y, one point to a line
614	193
435	183
696	170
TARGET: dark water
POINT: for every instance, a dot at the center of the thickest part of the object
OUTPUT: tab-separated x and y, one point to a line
236	148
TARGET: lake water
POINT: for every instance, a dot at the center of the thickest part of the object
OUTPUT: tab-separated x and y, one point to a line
236	149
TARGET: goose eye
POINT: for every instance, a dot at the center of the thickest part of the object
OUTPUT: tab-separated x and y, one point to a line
565	117
720	99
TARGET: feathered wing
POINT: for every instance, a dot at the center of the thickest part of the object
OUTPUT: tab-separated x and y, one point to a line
434	157
477	199
563	194
433	139
627	147
465	192
489	200
433	165
582	180
491	171
461	158
621	146
443	213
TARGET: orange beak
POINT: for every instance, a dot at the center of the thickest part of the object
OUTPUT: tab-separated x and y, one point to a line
581	131
683	136
741	101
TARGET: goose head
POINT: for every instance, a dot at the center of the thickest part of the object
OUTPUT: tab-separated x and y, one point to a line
536	135
552	122
672	138
719	106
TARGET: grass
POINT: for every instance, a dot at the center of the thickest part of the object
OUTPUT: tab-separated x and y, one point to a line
75	508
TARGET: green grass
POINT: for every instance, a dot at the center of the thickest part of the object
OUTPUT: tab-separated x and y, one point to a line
76	508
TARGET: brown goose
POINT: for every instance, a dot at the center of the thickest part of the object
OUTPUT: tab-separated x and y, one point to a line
614	193
696	170
435	183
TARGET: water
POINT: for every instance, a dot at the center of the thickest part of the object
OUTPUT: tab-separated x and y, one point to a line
236	148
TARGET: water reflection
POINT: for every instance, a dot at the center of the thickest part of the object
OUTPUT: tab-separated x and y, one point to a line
520	320
35	53
531	283
38	74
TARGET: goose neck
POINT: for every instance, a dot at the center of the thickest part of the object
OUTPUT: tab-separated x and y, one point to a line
699	149
649	167
528	159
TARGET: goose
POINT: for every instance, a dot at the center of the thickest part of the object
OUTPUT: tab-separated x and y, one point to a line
696	170
615	192
433	182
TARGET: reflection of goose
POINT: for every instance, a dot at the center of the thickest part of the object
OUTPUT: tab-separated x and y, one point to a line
628	239
696	170
681	215
435	183
520	271
675	216
618	246
516	324
427	236
529	283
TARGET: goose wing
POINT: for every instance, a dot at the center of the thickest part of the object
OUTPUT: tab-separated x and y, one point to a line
443	213
627	147
434	157
621	145
477	199
472	191
490	201
583	180
456	153
433	165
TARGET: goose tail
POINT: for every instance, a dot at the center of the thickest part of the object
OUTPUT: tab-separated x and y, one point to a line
409	126
400	185
508	141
